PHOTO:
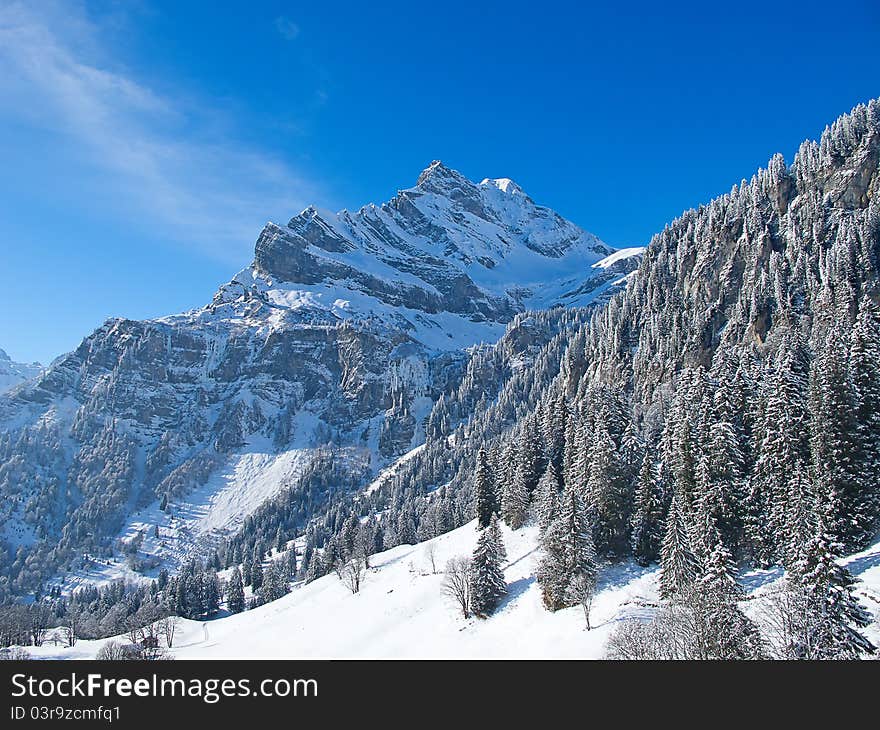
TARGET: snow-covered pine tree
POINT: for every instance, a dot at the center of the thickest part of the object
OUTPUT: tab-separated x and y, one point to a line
800	516
547	498
211	599
315	568
607	496
584	569
725	631
235	592
631	451
647	521
529	455
257	577
833	441
515	497
348	535
487	583
864	357
406	524
679	563
835	614
567	571
723	496
485	501
783	449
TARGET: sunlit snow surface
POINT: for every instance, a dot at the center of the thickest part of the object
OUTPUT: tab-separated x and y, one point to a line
401	611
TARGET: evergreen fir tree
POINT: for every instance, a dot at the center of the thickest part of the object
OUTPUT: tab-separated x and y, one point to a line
865	376
606	495
211	593
835	614
547	498
235	592
256	577
568	566
485	501
678	561
315	568
783	450
722	495
834	446
727	633
647	521
515	499
487	584
800	519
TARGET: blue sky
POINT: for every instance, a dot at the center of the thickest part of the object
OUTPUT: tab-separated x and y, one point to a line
144	144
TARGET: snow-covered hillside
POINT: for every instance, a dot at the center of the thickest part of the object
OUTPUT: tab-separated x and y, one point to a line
401	611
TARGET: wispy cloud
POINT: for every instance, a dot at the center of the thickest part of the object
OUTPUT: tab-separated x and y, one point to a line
287	28
162	156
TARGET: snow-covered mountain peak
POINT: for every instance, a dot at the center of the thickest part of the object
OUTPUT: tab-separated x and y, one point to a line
13	373
505	185
481	251
437	177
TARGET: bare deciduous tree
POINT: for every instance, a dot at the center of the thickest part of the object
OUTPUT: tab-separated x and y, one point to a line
582	589
39	623
113	651
168	627
431	555
135	631
456	583
351	573
788	622
150	637
69	630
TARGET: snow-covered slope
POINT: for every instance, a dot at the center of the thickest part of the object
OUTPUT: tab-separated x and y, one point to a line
401	611
14	373
341	335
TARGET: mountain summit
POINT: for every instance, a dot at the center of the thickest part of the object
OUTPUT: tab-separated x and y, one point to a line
482	251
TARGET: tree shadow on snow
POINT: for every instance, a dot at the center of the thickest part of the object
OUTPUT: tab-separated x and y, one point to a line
514	591
618	574
863	563
755	578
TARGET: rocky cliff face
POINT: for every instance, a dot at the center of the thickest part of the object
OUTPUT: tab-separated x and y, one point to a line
344	331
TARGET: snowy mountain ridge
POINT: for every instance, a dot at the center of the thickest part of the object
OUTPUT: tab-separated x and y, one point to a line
14	373
444	249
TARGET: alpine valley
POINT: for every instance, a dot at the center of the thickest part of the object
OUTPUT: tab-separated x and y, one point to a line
458	425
